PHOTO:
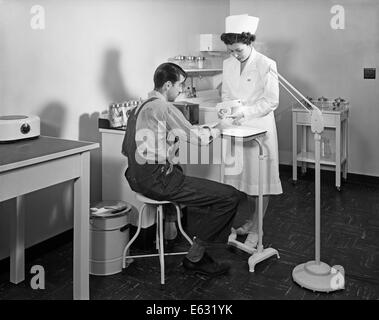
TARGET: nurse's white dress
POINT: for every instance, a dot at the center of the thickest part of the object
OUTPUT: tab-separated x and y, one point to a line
258	89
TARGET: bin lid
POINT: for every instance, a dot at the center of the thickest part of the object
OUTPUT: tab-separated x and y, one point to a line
109	209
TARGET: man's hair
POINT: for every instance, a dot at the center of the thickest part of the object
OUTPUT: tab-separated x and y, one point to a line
232	38
167	72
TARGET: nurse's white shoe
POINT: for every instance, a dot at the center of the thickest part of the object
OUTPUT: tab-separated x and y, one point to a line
245	229
252	240
232	241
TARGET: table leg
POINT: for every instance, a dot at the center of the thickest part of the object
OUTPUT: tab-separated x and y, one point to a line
81	230
224	143
338	154
345	167
260	197
294	147
304	149
17	239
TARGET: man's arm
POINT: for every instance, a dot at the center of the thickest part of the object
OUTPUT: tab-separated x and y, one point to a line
180	126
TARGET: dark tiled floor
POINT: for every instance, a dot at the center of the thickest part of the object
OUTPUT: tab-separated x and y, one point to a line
349	237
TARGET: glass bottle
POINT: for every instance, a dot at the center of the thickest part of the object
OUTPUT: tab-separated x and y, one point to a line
200	62
190	62
326	150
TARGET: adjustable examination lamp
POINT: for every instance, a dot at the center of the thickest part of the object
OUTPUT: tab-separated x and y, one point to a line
315	275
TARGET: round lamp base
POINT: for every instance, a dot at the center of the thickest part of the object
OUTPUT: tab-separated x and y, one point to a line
319	276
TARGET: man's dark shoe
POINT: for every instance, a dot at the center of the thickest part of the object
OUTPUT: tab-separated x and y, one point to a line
206	266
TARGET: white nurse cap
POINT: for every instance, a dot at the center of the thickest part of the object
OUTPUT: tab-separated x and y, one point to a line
241	23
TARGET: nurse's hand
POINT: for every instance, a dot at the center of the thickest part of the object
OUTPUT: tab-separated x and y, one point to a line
222	113
223	124
236	117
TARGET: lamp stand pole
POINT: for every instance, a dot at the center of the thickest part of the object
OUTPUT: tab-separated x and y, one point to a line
316	275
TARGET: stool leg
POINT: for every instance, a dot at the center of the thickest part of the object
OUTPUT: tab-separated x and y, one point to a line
178	211
157	229
161	247
140	212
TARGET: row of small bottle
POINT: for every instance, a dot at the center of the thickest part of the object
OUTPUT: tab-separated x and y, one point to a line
189	62
323	103
118	113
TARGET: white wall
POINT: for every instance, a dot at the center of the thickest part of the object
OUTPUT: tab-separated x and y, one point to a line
320	61
90	54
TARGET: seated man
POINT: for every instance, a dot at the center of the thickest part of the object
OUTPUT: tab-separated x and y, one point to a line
152	172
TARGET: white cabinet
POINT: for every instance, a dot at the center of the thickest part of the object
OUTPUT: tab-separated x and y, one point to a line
211	42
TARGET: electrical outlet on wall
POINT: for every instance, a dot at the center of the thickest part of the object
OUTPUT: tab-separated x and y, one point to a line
369	73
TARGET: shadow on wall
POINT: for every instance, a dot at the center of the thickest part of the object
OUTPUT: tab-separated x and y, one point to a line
111	81
283	53
52	119
51	207
112	84
88	131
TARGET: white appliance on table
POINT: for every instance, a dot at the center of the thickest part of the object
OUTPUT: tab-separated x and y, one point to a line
19	127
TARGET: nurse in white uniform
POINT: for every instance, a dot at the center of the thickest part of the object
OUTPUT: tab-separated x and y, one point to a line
247	77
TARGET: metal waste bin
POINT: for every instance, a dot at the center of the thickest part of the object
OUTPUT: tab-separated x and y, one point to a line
109	234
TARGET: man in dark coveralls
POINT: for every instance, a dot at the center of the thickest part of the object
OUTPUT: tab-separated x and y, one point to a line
152	172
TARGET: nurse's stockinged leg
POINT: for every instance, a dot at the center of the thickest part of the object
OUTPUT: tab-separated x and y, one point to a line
252	225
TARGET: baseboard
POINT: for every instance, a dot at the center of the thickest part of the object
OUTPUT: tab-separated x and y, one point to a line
330	174
41	248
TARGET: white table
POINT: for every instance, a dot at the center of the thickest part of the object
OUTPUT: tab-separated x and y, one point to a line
240	134
245	134
335	119
30	165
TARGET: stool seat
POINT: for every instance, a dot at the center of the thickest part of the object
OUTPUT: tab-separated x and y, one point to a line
140	197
